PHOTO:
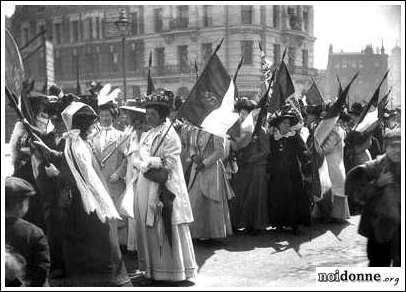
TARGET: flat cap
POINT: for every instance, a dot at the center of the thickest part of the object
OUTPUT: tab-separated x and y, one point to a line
16	187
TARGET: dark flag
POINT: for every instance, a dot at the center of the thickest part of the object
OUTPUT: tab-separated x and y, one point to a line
313	95
150	86
215	81
328	123
282	88
369	114
383	103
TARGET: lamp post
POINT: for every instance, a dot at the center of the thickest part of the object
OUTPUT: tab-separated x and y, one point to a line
122	25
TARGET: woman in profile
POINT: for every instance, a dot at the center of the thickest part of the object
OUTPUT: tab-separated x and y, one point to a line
90	242
163	213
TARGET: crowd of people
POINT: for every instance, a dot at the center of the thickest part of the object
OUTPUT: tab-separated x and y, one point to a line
104	180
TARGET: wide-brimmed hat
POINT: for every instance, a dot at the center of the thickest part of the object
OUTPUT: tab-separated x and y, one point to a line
161	98
134	106
245	103
314	109
283	115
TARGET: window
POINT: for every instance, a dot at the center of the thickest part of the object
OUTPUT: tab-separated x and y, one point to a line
291	59
276	16
305	60
98	28
306	18
75	31
206	18
246	14
137	63
58	33
183	16
58	63
90	28
293	19
183	58
134	23
276	53
207	50
160	57
158	20
246	50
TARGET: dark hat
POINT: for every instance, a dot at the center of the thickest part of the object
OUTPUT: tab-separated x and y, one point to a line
161	98
356	108
285	113
245	103
314	109
16	187
55	91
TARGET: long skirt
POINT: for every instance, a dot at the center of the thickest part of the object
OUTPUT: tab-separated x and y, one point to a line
156	257
249	208
211	218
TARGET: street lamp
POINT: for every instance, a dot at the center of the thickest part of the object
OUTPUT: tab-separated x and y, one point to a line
122	24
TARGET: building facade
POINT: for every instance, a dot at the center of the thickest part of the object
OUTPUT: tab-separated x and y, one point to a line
371	65
88	45
394	80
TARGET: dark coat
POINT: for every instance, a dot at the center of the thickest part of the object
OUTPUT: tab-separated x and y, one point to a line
91	249
289	204
30	242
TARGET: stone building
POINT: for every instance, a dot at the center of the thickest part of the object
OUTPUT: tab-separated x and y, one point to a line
371	65
88	45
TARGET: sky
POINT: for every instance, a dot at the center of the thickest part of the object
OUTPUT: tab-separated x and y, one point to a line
352	26
348	26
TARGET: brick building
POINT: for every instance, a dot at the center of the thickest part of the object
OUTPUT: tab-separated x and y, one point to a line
371	65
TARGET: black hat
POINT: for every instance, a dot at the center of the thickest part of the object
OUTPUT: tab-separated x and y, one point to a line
245	103
284	113
16	187
314	109
356	108
161	98
55	91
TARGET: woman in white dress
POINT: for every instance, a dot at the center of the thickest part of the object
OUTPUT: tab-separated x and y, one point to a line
159	257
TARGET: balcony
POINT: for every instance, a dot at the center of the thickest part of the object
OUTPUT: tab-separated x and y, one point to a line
207	21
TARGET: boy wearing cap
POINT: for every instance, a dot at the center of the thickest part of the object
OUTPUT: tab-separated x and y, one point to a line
376	185
25	238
